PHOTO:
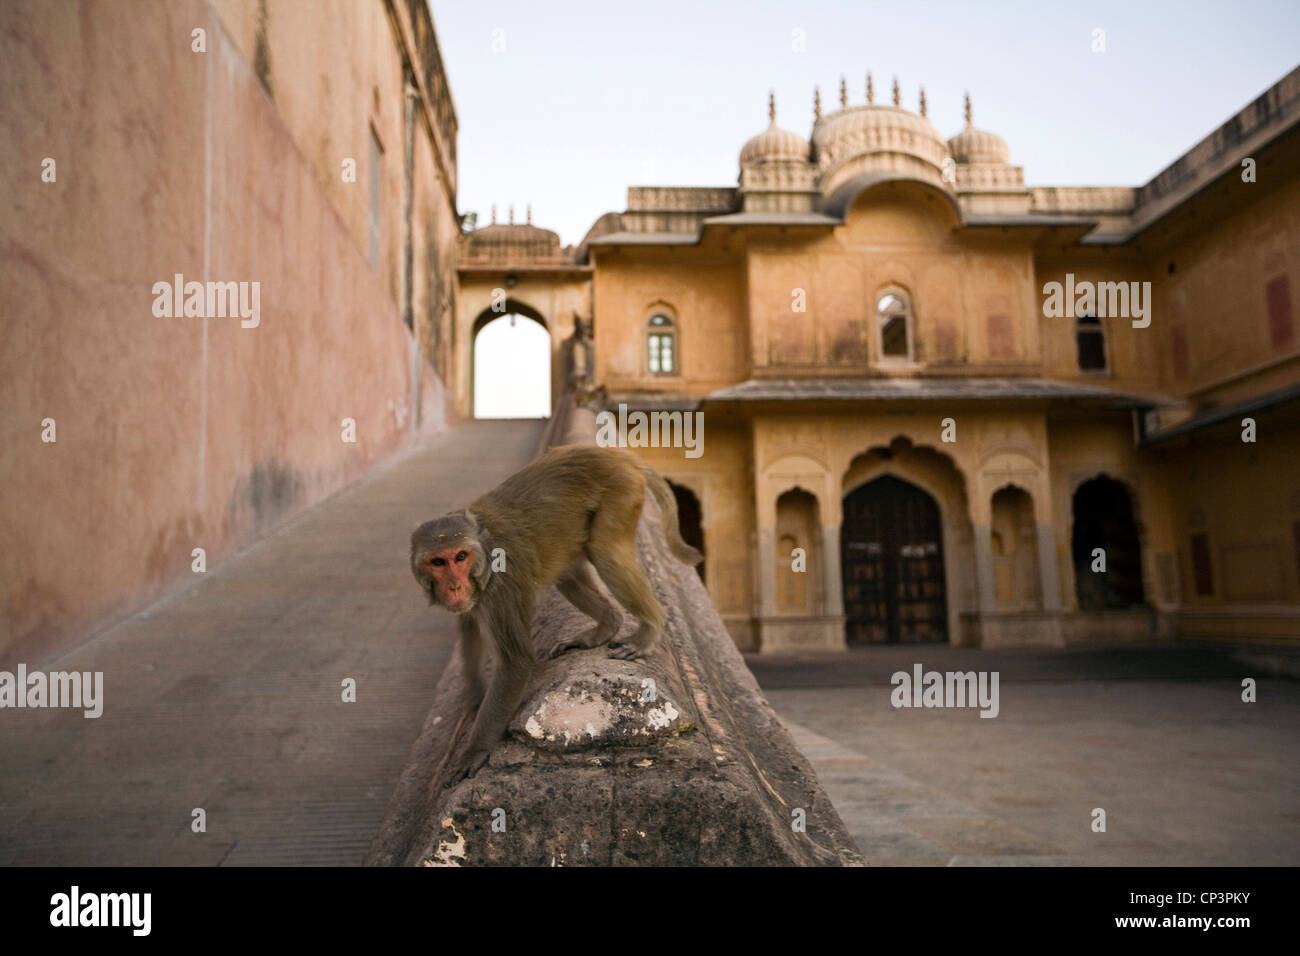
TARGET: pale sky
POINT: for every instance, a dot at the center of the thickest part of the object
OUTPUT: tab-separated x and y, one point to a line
591	96
512	369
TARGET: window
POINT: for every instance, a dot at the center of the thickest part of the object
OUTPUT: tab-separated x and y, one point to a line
1091	342
893	318
661	346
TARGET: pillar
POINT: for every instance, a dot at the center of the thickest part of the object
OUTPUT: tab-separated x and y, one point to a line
1047	577
834	581
984	567
766	572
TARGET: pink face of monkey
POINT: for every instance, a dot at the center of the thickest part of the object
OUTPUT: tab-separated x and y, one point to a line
450	574
447	561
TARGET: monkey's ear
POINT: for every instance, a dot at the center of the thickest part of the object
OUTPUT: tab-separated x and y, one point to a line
473	521
482	570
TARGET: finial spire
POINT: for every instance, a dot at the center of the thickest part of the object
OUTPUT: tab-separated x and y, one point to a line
923	101
817	103
512	214
844	93
968	120
898	96
871	90
494	214
529	220
771	106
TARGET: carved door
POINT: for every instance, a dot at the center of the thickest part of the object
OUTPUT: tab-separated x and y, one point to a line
891	552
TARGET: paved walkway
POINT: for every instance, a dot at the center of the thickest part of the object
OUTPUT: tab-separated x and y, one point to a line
226	695
1159	738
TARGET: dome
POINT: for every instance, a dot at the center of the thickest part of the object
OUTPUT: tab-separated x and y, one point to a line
873	138
512	232
504	241
775	145
973	145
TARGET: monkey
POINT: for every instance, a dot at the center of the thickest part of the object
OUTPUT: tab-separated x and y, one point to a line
566	519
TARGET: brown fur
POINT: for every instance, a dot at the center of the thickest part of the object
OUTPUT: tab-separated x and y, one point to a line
562	520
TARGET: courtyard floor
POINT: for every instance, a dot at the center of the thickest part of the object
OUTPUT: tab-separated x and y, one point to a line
1159	738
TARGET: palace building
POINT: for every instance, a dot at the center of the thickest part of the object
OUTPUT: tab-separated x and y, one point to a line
909	433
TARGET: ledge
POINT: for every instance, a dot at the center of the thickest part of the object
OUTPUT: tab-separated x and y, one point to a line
676	759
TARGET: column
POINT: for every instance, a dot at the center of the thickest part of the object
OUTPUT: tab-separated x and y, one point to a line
1047	577
834	581
766	572
984	567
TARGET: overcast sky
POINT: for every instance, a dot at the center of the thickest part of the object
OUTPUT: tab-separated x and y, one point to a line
591	96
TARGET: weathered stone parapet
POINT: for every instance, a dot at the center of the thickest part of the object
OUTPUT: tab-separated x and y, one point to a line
676	759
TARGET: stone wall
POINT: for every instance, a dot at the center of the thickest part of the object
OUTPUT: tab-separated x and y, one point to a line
676	759
173	433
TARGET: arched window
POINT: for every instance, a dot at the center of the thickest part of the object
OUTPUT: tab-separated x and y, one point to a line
1091	340
1104	522
894	321
661	346
689	521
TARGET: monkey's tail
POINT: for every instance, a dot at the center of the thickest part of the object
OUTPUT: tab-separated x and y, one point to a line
667	502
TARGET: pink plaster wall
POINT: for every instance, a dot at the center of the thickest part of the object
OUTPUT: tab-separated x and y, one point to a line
168	161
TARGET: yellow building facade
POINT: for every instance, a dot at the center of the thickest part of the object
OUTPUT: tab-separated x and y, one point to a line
940	405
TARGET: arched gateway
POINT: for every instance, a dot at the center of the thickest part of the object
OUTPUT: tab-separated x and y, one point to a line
891	553
511	363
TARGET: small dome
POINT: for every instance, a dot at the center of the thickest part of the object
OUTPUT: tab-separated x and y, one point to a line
512	232
775	145
974	145
500	241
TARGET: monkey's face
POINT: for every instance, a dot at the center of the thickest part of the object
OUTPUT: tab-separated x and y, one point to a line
451	577
447	560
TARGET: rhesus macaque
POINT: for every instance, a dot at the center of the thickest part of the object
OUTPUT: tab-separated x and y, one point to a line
569	516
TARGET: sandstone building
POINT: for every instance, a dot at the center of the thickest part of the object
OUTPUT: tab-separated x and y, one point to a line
861	321
865	323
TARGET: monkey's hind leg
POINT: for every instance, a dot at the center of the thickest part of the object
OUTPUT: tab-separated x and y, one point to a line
580	589
613	552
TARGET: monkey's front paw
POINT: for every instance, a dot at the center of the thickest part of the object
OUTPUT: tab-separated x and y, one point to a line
625	652
473	762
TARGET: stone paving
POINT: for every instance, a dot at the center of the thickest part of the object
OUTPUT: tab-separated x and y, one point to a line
1159	738
227	694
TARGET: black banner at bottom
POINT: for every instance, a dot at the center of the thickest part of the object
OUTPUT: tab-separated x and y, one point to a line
218	906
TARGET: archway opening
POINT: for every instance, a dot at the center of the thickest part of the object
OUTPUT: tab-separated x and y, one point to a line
891	556
1103	520
1014	542
512	367
798	558
690	520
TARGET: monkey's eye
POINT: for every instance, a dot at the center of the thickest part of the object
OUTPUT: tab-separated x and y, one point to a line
461	556
438	562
